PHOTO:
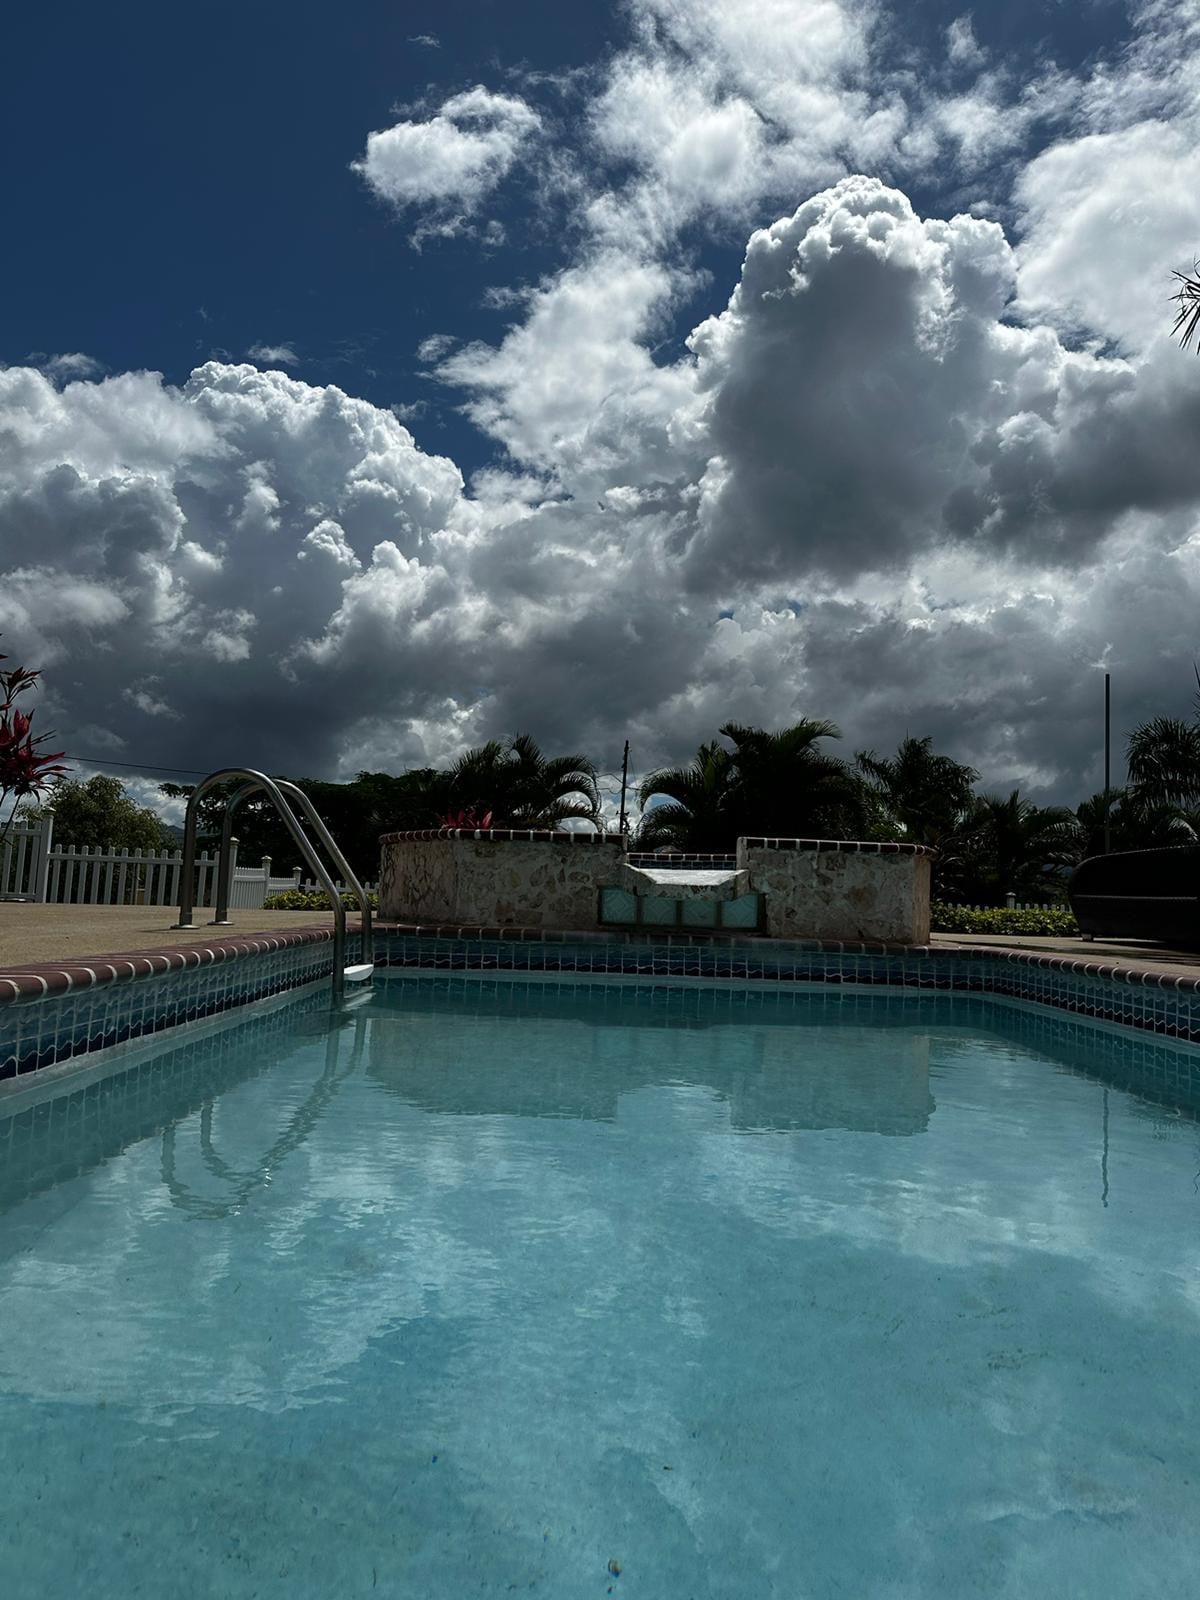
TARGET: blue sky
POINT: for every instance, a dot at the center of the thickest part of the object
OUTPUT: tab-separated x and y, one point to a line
199	163
917	461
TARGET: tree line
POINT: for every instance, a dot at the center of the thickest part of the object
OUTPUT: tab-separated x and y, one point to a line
791	783
787	782
502	783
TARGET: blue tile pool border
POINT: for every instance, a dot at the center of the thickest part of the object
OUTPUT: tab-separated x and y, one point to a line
52	1012
1153	1002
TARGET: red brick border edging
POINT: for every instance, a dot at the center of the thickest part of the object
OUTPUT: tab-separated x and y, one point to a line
57	977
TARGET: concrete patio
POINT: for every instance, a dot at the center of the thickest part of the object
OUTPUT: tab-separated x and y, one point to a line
1138	954
38	933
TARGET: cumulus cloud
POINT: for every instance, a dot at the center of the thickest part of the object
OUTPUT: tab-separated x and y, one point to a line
892	322
1105	217
698	148
1110	207
799	58
198	570
146	697
63	368
961	44
867	402
449	163
721	106
435	346
863	492
573	390
274	355
913	472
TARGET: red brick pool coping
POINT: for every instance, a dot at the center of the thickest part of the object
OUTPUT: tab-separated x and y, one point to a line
57	977
32	982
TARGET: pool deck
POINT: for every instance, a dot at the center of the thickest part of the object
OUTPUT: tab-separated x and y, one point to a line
33	934
1134	955
38	934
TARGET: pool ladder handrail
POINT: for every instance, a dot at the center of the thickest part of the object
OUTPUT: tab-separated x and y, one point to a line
276	790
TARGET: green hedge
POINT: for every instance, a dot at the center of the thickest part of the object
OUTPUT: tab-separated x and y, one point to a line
1048	921
313	900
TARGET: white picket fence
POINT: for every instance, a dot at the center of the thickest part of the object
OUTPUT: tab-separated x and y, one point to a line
252	885
32	867
342	888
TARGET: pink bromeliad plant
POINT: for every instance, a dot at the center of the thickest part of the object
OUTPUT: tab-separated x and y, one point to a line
466	819
25	769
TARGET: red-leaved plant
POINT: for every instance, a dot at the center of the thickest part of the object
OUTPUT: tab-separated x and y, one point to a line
466	819
25	769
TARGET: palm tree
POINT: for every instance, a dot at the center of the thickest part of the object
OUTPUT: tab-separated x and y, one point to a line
522	787
1134	823
926	793
1011	845
695	814
1187	318
786	787
776	784
1164	761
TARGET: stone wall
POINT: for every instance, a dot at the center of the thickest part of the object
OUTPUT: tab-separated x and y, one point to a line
818	889
496	878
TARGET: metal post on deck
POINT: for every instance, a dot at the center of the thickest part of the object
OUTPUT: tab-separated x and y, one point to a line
226	857
187	870
1107	758
624	785
226	867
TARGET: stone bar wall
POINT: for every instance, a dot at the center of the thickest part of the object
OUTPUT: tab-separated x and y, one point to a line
838	889
496	877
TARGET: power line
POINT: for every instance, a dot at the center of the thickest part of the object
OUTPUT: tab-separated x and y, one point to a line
139	766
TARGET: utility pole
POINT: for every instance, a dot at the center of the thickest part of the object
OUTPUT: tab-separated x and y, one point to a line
624	785
1107	758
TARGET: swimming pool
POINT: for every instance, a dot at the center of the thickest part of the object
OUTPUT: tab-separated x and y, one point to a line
483	1287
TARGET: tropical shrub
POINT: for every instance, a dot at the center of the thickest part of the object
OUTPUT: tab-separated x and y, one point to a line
468	819
314	900
1043	922
25	768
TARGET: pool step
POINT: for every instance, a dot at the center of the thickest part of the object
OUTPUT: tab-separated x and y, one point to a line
360	973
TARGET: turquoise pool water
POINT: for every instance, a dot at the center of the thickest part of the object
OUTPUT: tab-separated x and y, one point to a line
489	1289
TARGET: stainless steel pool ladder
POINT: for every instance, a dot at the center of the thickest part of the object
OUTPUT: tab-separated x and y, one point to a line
278	791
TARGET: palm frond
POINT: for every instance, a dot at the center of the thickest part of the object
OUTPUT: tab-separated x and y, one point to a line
1187	297
1164	760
